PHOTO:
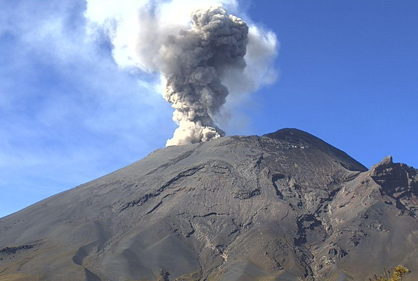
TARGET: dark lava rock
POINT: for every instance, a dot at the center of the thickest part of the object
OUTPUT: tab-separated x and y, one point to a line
284	206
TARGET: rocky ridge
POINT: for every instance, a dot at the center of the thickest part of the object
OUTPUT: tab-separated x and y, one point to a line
283	206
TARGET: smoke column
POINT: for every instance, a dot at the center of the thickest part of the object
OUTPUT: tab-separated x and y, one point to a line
198	58
193	65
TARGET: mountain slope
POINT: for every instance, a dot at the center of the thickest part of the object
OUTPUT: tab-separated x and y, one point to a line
278	207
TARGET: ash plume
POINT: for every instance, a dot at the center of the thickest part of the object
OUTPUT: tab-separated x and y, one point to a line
194	62
201	59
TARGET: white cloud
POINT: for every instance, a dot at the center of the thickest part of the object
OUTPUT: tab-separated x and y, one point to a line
68	113
139	29
129	22
66	108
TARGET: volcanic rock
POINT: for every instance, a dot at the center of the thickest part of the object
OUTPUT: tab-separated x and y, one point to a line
283	206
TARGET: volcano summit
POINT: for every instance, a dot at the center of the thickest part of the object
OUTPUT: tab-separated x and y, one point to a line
283	206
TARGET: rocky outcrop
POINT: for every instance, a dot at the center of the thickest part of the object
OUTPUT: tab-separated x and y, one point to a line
284	206
399	182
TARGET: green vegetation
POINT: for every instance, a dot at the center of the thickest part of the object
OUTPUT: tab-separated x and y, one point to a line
398	273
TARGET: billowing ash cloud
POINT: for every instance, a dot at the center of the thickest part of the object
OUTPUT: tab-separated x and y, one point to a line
199	58
193	63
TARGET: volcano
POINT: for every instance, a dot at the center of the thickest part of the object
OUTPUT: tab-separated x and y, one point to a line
284	206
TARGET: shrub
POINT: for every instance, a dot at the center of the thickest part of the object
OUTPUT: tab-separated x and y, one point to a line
398	273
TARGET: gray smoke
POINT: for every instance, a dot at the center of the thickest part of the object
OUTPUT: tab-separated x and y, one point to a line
194	63
201	59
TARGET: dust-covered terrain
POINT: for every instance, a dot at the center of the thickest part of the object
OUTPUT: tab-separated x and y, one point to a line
283	206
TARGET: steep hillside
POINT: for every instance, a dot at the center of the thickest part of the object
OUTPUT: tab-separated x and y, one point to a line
284	206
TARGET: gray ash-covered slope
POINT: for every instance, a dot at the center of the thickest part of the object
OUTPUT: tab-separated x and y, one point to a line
284	206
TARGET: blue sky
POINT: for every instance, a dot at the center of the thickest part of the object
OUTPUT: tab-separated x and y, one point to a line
68	114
